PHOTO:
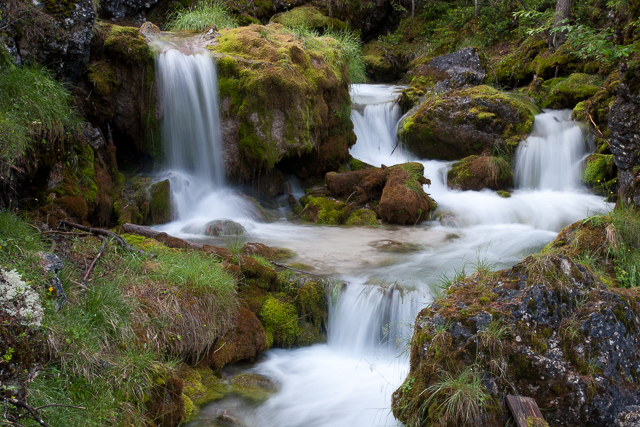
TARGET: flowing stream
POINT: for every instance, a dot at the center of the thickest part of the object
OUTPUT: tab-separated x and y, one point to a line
348	381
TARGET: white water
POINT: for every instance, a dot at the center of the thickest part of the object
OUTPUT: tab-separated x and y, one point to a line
348	381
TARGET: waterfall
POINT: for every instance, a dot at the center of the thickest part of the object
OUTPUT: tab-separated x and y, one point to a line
551	157
188	91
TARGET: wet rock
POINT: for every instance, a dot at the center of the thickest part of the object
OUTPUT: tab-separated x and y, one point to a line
361	217
160	207
246	342
478	172
325	211
629	417
253	387
55	33
395	247
363	185
546	328
224	227
122	8
624	122
52	265
453	70
403	200
465	122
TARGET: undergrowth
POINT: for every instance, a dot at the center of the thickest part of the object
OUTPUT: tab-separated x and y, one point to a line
33	106
123	335
200	17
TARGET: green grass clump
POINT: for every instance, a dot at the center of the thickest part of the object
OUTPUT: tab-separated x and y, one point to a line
33	105
341	49
200	17
624	245
461	398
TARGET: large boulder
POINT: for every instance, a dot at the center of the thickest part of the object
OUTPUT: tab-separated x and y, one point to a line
48	32
624	124
463	122
566	92
283	103
546	328
478	172
454	70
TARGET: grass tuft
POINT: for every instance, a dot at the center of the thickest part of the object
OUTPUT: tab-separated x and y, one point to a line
198	18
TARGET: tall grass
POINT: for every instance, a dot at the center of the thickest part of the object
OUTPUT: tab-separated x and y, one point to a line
33	105
341	48
200	17
623	237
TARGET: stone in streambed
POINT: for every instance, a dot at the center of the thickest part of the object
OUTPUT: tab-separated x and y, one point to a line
478	172
403	200
224	227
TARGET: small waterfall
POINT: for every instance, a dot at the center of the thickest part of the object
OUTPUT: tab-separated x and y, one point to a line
188	89
551	157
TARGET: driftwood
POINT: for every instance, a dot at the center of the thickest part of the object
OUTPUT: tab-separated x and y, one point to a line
106	233
524	408
93	263
174	242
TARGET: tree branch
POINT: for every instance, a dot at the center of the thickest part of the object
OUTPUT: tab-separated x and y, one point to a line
22	404
106	233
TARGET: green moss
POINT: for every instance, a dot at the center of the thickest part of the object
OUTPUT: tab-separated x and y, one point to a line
128	43
362	217
201	385
325	211
280	319
103	77
599	168
311	302
504	194
307	17
567	92
355	164
190	409
160	206
253	387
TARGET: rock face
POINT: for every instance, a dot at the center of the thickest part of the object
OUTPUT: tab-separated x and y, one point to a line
478	172
463	122
50	32
282	104
121	8
624	124
546	328
454	70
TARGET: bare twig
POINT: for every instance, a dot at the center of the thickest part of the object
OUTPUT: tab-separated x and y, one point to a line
66	233
93	263
349	197
22	404
598	129
59	405
106	233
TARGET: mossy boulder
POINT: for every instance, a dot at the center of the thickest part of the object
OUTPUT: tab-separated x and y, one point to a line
520	331
246	341
253	387
566	92
325	211
478	172
463	122
145	202
283	103
224	227
362	217
403	200
307	16
160	207
600	173
280	319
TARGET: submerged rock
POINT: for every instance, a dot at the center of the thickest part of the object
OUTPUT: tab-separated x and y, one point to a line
224	227
478	172
465	122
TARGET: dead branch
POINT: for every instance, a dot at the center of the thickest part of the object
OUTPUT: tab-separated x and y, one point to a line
598	129
295	269
22	404
106	233
67	233
93	263
140	230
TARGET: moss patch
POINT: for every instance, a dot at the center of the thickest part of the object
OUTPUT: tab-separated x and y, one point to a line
280	319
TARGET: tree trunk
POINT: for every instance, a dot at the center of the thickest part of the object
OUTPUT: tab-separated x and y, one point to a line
563	13
475	9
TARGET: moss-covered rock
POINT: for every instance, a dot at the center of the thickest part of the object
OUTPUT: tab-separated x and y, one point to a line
280	319
600	173
325	211
253	387
566	92
160	207
403	200
478	172
283	102
307	16
465	122
362	217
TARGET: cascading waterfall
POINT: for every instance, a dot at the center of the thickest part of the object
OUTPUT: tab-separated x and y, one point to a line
348	381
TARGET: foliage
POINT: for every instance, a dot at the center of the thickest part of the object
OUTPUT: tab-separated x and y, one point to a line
340	48
624	245
198	18
461	398
33	105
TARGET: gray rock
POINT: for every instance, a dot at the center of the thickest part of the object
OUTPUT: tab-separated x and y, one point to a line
224	227
122	8
454	70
